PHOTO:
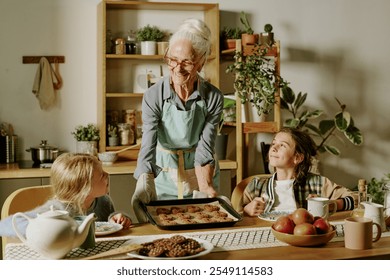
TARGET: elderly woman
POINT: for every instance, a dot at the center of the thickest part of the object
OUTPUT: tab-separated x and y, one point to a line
180	114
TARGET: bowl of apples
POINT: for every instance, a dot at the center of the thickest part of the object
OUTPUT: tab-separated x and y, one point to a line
301	228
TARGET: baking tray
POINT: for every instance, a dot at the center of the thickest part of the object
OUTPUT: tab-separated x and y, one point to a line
225	207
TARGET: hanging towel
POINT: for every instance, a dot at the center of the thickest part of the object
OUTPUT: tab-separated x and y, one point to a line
43	87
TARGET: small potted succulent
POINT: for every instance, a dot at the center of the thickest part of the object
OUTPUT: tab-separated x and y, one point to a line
149	36
87	138
248	37
267	37
229	35
113	139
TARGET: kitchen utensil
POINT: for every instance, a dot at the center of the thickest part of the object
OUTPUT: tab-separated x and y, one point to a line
54	233
108	158
44	153
117	251
150	210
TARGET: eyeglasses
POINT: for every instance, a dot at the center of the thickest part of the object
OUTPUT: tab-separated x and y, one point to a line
185	64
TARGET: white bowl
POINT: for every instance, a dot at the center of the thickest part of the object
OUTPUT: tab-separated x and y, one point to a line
108	157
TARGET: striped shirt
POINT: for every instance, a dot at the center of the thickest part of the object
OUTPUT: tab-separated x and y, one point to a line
315	184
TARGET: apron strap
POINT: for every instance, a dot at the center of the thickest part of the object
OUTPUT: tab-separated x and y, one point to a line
180	169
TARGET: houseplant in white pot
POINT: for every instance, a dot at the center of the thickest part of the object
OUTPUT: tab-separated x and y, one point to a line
87	138
149	36
256	79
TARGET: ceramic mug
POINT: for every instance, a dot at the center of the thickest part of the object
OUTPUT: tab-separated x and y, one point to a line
358	233
319	206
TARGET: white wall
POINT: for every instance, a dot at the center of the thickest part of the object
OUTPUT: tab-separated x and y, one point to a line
347	39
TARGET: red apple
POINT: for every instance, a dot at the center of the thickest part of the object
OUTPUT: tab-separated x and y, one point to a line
301	215
284	224
322	225
305	229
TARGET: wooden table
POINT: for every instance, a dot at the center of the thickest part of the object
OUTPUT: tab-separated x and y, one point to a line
330	251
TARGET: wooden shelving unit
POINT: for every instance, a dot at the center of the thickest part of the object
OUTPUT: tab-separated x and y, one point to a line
243	129
119	75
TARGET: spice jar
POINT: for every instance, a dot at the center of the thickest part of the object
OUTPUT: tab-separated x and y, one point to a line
126	135
120	47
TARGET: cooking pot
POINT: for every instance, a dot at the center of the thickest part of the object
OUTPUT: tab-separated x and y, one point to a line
44	153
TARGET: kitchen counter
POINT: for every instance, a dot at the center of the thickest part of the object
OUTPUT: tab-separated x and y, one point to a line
12	170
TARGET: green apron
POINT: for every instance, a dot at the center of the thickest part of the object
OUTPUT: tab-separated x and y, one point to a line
178	135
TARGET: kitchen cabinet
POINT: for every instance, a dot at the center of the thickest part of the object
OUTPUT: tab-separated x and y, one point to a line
123	78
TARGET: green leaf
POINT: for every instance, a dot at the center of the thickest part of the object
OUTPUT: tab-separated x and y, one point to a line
331	149
292	123
314	114
342	120
354	135
283	104
288	95
301	98
326	125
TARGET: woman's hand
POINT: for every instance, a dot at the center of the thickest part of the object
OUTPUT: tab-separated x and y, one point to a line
122	220
255	207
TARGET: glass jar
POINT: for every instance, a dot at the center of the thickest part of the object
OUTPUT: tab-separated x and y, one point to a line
120	47
129	117
126	135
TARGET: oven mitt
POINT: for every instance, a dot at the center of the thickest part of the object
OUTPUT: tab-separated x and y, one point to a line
145	191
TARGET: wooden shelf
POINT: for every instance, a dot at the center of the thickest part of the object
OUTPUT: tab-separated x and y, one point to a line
118	85
243	129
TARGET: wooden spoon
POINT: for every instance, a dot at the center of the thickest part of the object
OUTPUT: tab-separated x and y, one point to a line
117	251
125	149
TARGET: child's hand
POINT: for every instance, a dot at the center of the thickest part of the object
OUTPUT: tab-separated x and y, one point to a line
255	207
121	219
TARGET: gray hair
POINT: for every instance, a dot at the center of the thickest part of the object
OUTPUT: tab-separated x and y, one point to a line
198	33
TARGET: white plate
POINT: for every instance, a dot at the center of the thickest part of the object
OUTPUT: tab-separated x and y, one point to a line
139	240
105	228
274	215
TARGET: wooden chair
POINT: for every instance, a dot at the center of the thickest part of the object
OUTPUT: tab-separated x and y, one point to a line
24	199
238	191
264	154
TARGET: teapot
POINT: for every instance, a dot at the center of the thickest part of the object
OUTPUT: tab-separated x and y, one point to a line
375	212
54	233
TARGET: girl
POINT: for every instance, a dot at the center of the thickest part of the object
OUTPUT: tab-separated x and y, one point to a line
80	186
288	188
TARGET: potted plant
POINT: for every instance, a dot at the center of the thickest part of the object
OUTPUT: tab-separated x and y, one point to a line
267	37
148	36
256	79
248	37
229	35
113	139
341	124
87	138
